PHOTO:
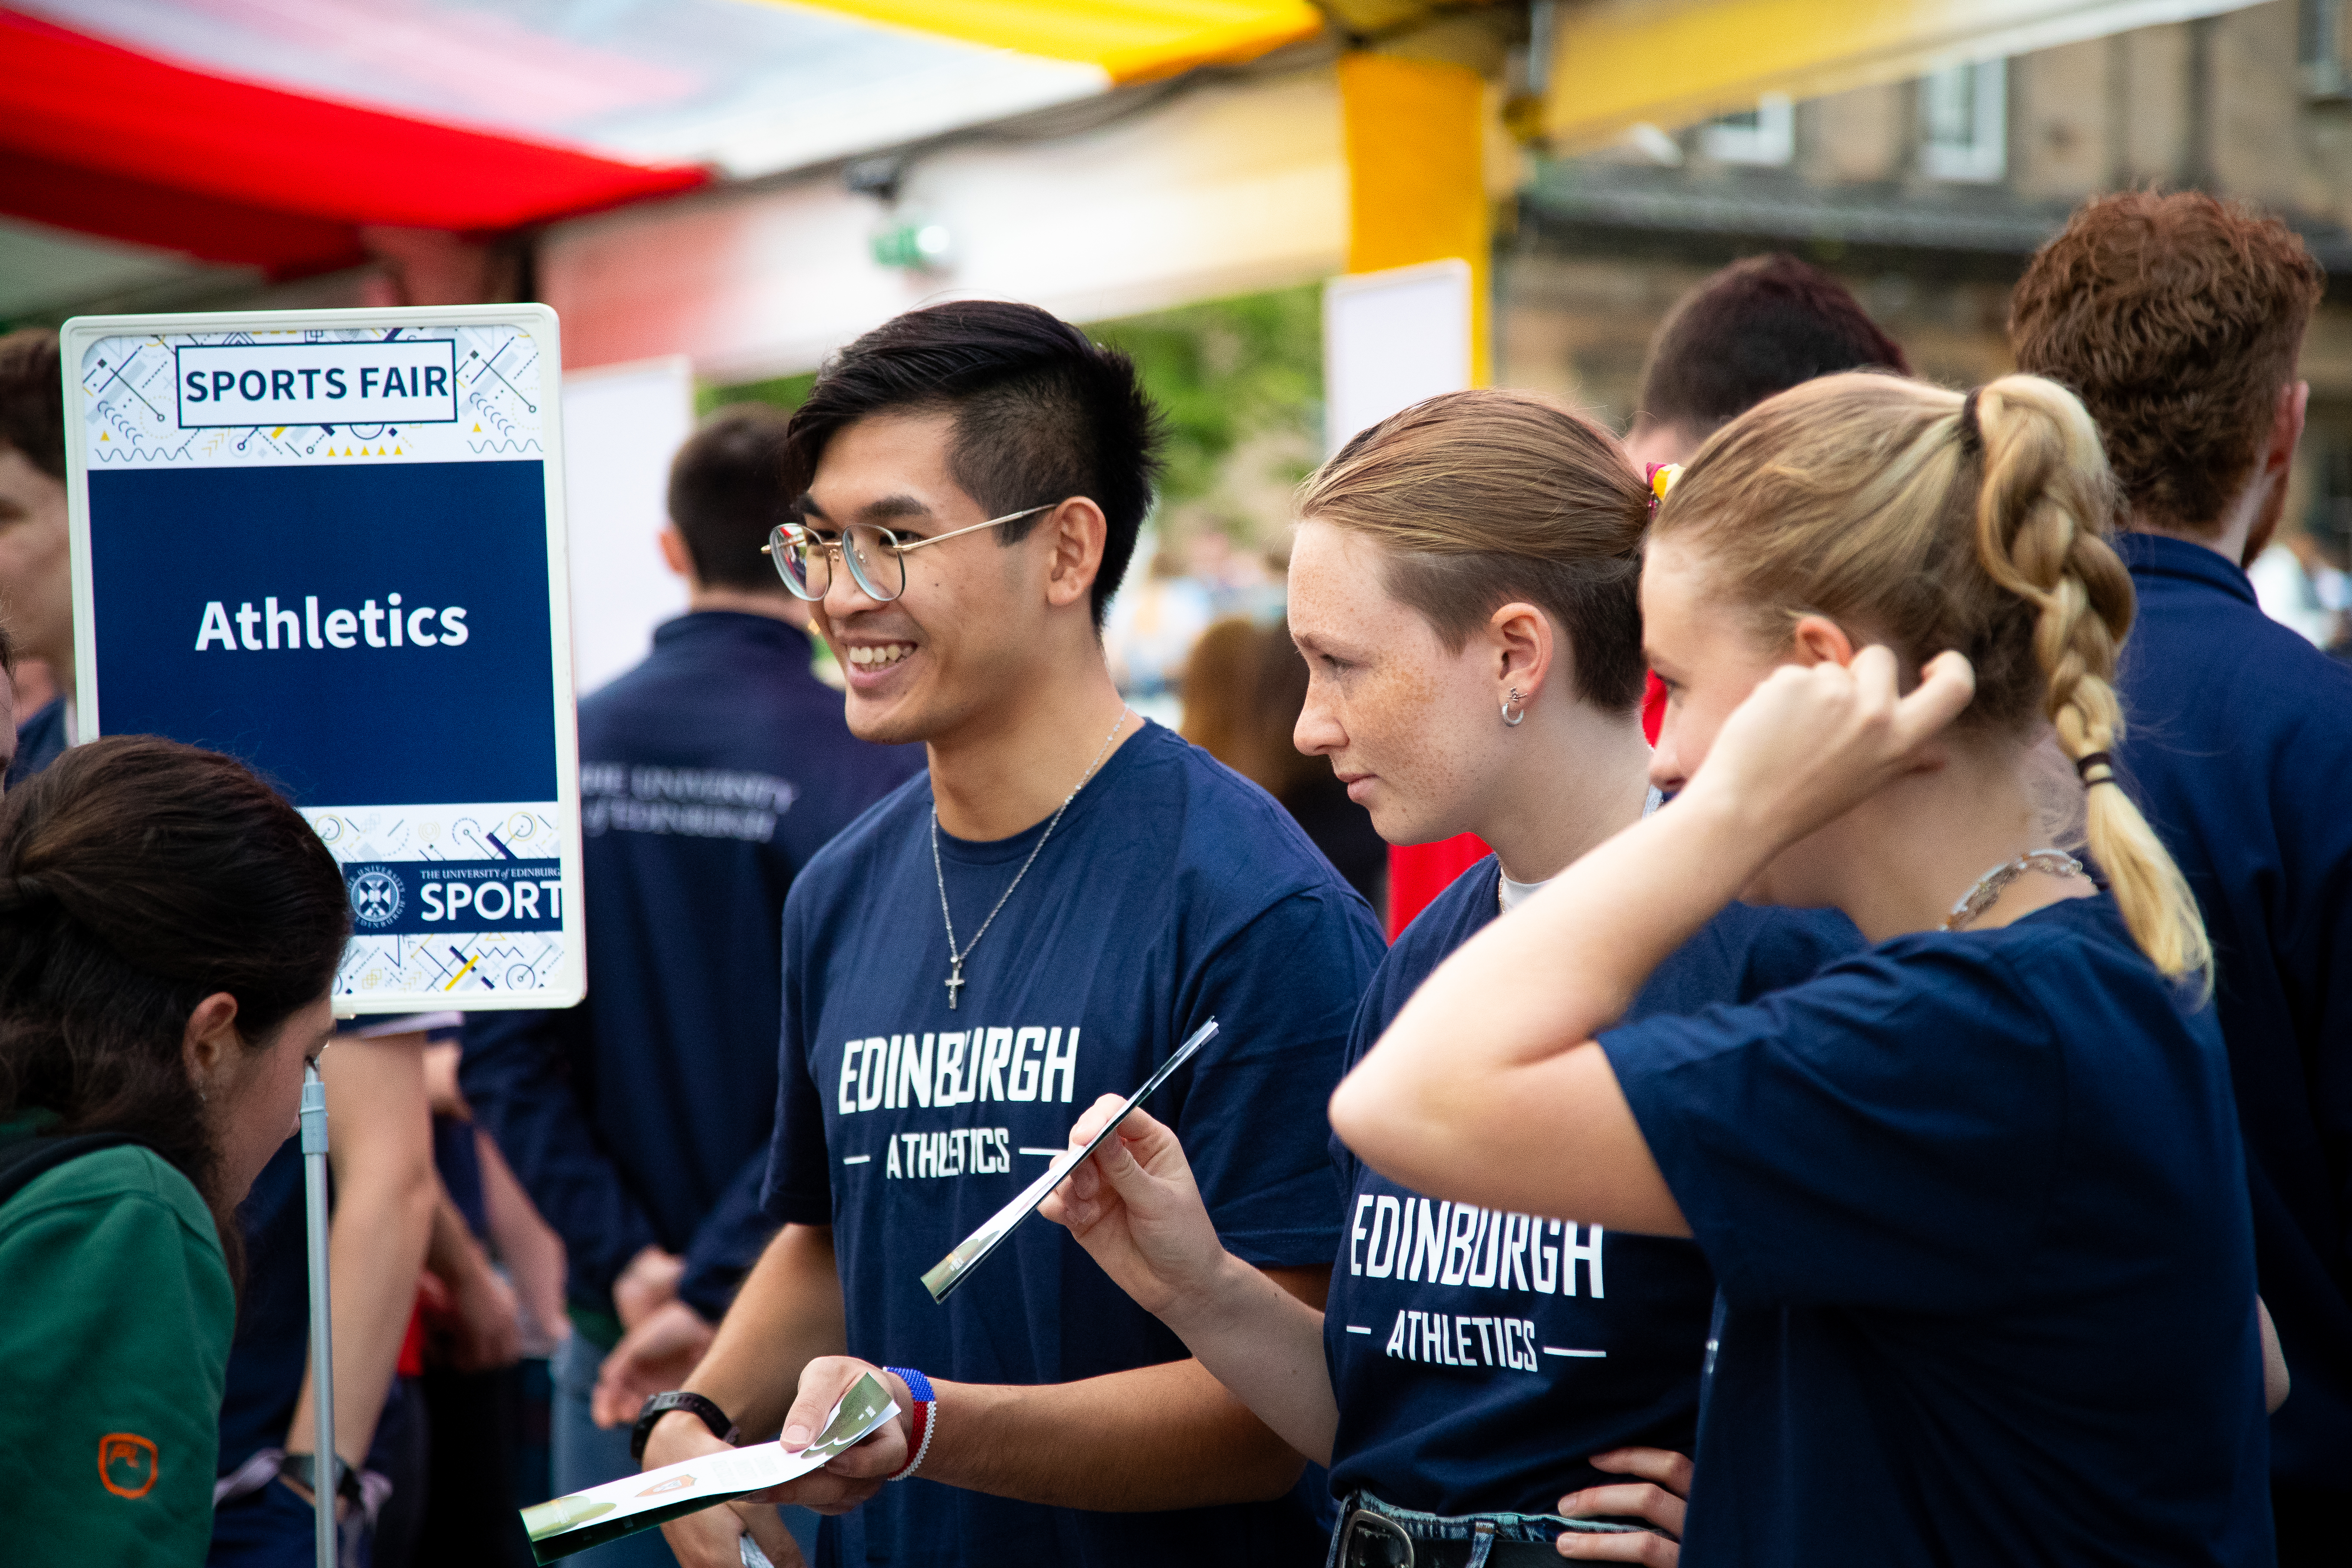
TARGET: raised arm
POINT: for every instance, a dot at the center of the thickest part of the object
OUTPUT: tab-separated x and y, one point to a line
1490	1088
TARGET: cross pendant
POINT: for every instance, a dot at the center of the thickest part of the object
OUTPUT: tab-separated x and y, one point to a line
954	982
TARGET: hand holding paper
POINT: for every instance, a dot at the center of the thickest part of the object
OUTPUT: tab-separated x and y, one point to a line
1134	1206
951	1271
575	1522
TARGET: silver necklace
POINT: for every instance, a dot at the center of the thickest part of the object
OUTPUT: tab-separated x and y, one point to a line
955	981
1993	883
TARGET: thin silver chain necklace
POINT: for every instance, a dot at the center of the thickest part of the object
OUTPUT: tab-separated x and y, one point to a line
955	981
1990	886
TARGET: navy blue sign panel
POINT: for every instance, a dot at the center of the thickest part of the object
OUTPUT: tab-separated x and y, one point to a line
298	617
329	543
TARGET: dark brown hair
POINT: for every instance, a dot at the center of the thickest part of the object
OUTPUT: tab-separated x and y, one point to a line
33	399
1757	327
1481	497
1042	414
138	876
2176	319
727	494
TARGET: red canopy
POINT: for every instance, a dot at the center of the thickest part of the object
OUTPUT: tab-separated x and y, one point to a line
105	140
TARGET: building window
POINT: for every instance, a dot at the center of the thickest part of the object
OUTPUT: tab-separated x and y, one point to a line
1964	123
2320	24
1764	136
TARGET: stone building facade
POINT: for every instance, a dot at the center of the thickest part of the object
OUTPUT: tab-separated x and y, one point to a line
1929	196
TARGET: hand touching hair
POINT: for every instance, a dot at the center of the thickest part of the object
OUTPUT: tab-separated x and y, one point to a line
1926	521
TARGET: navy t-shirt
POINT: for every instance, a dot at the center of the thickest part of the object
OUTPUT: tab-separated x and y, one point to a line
710	774
1480	1358
1173	892
1977	1206
2240	750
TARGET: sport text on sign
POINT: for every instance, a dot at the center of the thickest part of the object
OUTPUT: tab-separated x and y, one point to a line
395	382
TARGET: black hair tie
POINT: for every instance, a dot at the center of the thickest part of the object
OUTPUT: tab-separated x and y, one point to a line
1972	433
2097	768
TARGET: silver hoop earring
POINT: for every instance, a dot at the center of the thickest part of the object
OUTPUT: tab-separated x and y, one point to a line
1510	718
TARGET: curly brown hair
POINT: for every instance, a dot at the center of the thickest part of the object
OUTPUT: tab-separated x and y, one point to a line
2177	319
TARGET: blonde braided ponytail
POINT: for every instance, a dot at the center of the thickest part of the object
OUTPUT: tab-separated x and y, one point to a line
1933	521
2045	494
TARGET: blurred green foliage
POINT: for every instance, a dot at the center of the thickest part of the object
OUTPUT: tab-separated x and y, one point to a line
1223	373
786	392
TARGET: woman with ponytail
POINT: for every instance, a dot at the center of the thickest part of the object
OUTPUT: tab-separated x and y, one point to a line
1974	1198
168	930
1463	588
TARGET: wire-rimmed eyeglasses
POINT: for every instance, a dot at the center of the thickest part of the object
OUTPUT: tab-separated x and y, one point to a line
876	556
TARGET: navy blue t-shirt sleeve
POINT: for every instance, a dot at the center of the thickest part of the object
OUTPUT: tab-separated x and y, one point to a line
1884	1135
1253	1118
728	1242
514	1071
798	1189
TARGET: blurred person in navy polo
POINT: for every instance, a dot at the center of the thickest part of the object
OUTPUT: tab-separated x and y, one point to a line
2181	321
639	1120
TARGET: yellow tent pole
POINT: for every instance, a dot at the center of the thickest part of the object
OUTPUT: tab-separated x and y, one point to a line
1416	185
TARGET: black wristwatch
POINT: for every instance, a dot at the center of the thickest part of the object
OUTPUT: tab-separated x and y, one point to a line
304	1468
661	1405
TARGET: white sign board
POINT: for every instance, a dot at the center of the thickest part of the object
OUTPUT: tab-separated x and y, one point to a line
331	543
622	426
1390	339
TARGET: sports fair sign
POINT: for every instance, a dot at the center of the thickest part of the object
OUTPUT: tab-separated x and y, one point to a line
331	543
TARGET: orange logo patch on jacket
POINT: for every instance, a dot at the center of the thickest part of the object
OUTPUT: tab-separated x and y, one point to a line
126	1464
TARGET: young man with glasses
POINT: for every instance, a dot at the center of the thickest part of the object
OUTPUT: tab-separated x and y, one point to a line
1065	896
711	774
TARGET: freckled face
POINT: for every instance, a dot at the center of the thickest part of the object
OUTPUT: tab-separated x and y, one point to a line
1410	726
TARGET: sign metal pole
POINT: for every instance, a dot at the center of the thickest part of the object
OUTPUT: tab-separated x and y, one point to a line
323	1491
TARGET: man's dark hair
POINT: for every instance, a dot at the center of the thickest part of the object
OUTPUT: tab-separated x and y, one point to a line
1759	327
139	876
727	494
1041	415
8	652
33	399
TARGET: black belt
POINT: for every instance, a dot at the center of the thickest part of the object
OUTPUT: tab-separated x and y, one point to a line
1373	1540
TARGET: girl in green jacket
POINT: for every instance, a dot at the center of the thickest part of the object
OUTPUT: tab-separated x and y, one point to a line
169	927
